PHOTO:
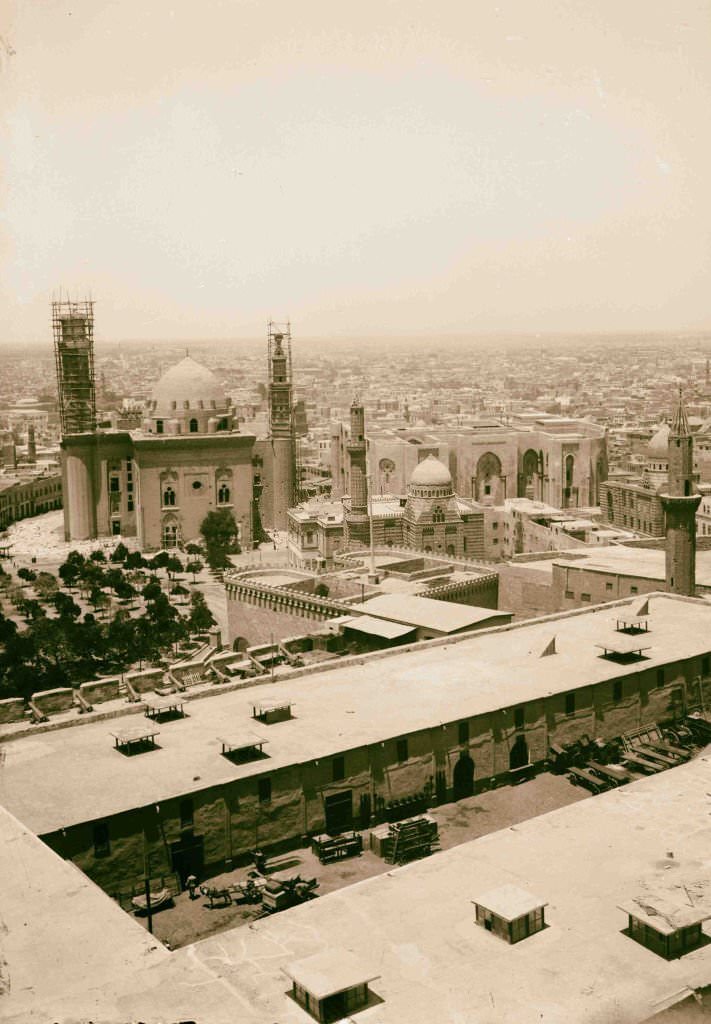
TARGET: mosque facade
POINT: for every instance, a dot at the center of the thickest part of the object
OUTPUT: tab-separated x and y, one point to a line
188	458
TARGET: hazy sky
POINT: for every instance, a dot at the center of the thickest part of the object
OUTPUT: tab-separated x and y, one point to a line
363	167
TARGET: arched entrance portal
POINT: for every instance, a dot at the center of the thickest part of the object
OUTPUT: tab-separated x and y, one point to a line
489	483
463	779
518	757
530	471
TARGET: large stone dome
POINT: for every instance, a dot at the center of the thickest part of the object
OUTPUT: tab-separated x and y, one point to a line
659	443
431	473
188	382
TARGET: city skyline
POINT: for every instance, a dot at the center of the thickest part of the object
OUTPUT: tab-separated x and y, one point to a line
472	170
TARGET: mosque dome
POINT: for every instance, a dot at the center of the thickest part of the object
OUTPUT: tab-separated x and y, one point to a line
188	382
659	442
431	473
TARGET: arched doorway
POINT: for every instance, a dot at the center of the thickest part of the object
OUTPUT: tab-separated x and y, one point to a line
569	492
488	484
529	471
463	777
518	756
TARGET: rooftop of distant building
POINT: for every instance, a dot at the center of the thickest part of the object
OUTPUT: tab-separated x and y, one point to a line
55	779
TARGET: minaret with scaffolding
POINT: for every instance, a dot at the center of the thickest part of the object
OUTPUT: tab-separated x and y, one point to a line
281	426
680	502
73	329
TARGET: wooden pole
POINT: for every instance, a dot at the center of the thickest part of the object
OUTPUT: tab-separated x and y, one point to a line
148	905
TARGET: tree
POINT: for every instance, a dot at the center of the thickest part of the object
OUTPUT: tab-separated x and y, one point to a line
321	590
66	606
70	570
46	585
97	598
200	618
32	610
173	565
160	561
152	591
220	533
8	629
125	591
194	568
135	560
120	552
193	549
26	574
121	639
97	556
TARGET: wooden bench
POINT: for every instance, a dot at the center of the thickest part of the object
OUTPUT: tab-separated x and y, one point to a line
655	755
668	748
522	773
582	777
617	776
643	763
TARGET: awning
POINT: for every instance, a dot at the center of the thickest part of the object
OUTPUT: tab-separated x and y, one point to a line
378	627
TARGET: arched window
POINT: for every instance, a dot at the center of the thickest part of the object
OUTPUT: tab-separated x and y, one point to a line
168	495
222	425
193	426
169	535
223	495
159	426
437	514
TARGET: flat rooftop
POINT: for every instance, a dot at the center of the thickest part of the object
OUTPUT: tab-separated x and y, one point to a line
445	616
647	563
66	776
415	928
58	927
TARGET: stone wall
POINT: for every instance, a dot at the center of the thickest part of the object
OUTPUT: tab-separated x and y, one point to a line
100	690
526	592
576	586
52	701
146	680
12	709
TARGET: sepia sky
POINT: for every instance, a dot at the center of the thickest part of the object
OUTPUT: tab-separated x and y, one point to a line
370	167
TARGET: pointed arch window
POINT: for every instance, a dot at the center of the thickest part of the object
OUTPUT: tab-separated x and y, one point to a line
223	494
168	495
437	514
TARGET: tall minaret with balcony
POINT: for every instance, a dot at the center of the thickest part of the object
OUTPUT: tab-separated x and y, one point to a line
280	422
357	514
680	502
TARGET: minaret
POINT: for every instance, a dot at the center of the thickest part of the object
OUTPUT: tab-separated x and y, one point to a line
73	328
680	502
31	444
280	423
357	517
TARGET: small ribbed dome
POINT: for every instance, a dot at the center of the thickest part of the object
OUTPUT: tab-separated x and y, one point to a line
431	473
659	443
188	381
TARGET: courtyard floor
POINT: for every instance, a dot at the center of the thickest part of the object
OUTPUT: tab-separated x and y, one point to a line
190	920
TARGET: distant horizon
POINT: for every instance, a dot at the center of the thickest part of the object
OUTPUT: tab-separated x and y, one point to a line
577	337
